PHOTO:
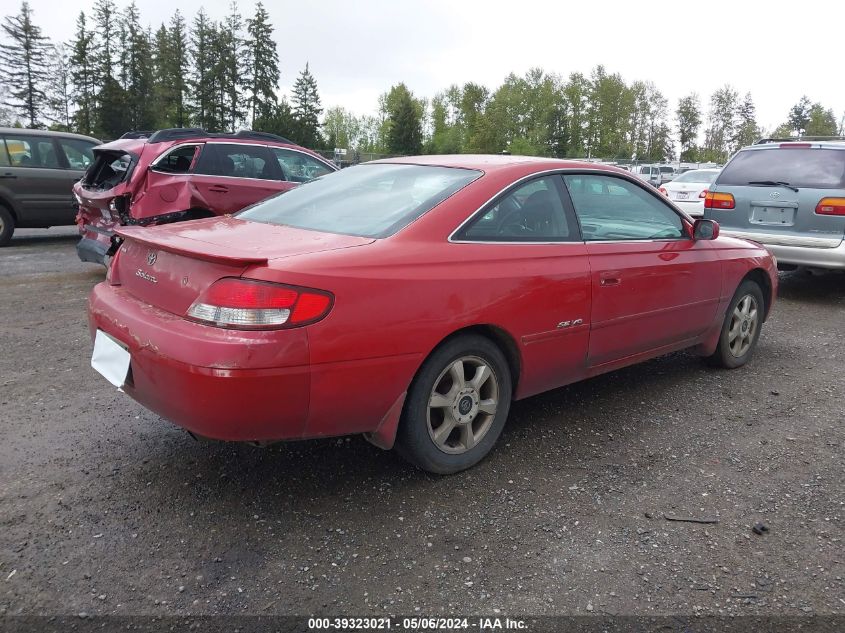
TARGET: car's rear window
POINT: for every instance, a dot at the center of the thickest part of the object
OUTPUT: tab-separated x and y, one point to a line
374	200
108	170
800	167
697	175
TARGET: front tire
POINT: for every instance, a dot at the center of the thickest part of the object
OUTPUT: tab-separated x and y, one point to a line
7	226
741	329
456	406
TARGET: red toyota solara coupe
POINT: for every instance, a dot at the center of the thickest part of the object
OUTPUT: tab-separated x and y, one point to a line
412	299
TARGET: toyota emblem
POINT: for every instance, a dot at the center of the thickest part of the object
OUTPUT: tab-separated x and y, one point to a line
151	257
774	195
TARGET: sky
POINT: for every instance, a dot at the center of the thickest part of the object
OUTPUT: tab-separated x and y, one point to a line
357	49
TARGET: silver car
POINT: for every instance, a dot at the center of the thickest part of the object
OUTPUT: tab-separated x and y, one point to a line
788	196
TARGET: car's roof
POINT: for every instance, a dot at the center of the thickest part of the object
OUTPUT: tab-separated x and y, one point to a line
831	144
30	132
494	162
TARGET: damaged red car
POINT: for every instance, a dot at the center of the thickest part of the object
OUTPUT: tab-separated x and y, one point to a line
411	300
182	174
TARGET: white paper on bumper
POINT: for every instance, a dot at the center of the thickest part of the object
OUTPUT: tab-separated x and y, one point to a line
111	359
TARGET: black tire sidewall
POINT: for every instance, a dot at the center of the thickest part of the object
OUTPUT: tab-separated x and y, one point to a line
8	226
723	355
413	440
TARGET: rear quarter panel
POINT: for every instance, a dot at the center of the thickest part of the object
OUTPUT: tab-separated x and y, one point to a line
395	302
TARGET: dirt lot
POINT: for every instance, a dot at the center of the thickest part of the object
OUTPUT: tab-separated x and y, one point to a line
108	509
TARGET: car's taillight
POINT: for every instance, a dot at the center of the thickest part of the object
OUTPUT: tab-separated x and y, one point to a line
248	304
703	194
663	191
716	200
831	206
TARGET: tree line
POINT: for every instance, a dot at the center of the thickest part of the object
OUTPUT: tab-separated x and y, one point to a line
114	74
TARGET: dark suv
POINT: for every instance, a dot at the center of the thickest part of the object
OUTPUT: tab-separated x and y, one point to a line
37	172
183	174
787	195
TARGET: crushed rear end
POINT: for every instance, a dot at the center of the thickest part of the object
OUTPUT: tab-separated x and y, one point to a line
103	196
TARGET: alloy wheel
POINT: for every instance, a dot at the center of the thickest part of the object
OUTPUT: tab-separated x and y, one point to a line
462	405
743	327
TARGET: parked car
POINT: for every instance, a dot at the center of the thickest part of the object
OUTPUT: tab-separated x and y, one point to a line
412	299
689	189
667	174
181	174
649	173
789	196
37	172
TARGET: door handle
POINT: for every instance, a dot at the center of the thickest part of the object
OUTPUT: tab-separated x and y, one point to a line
219	189
610	279
7	175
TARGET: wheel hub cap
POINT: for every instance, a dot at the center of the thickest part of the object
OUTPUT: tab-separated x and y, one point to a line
465	407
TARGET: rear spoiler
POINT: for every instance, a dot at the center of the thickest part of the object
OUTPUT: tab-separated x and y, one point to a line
148	236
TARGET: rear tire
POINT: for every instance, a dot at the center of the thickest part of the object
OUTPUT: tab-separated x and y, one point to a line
741	329
7	226
456	406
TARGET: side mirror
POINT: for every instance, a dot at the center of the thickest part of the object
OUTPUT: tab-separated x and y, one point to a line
705	230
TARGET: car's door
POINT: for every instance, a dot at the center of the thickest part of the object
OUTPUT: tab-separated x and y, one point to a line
298	167
528	241
232	176
39	180
653	286
168	189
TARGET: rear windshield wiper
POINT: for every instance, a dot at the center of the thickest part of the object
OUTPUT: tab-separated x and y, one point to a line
774	183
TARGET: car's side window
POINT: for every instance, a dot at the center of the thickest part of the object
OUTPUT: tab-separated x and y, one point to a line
178	160
237	160
298	166
31	151
532	212
79	153
615	209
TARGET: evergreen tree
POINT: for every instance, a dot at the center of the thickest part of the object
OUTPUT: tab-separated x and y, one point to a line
306	109
264	64
136	72
821	121
177	69
201	89
721	122
405	130
163	88
24	61
60	89
746	130
799	115
231	70
277	118
689	121
110	119
107	29
83	76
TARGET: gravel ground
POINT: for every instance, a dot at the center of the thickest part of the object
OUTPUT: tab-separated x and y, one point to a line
107	509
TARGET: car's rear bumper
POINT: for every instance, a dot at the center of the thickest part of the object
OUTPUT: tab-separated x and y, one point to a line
90	250
217	383
813	252
695	208
96	237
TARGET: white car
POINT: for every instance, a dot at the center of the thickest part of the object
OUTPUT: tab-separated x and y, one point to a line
689	188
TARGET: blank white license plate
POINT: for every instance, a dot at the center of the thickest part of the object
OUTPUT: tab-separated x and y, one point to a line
682	195
773	215
111	359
